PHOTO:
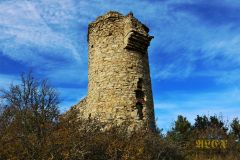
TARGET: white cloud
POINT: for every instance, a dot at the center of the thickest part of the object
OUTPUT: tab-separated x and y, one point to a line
186	40
27	37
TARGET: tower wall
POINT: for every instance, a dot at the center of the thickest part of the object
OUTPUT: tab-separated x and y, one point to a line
118	70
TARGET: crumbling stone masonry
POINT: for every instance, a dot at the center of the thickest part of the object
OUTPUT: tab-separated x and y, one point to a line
119	86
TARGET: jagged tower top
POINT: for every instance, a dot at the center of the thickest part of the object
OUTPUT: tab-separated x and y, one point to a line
133	30
116	15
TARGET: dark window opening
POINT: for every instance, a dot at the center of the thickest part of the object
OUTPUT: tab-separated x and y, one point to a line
140	98
139	107
139	94
140	83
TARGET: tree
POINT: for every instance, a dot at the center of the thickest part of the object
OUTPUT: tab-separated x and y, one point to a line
28	118
235	125
211	127
201	122
204	122
182	125
181	129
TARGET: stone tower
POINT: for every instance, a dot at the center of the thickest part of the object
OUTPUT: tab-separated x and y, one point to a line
119	86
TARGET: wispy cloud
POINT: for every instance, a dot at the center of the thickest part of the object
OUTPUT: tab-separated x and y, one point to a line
213	12
27	37
189	39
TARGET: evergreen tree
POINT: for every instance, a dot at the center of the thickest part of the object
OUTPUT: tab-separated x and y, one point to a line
235	125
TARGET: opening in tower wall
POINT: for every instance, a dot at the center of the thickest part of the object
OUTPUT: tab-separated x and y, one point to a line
139	98
139	83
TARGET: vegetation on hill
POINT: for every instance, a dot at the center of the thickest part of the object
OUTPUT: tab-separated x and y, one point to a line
32	128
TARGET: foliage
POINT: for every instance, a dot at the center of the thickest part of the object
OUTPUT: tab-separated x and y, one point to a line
181	130
209	130
235	125
31	128
29	115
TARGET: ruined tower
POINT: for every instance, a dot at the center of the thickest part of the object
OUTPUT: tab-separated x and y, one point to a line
119	86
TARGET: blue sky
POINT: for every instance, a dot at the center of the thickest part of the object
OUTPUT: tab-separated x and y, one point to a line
194	57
